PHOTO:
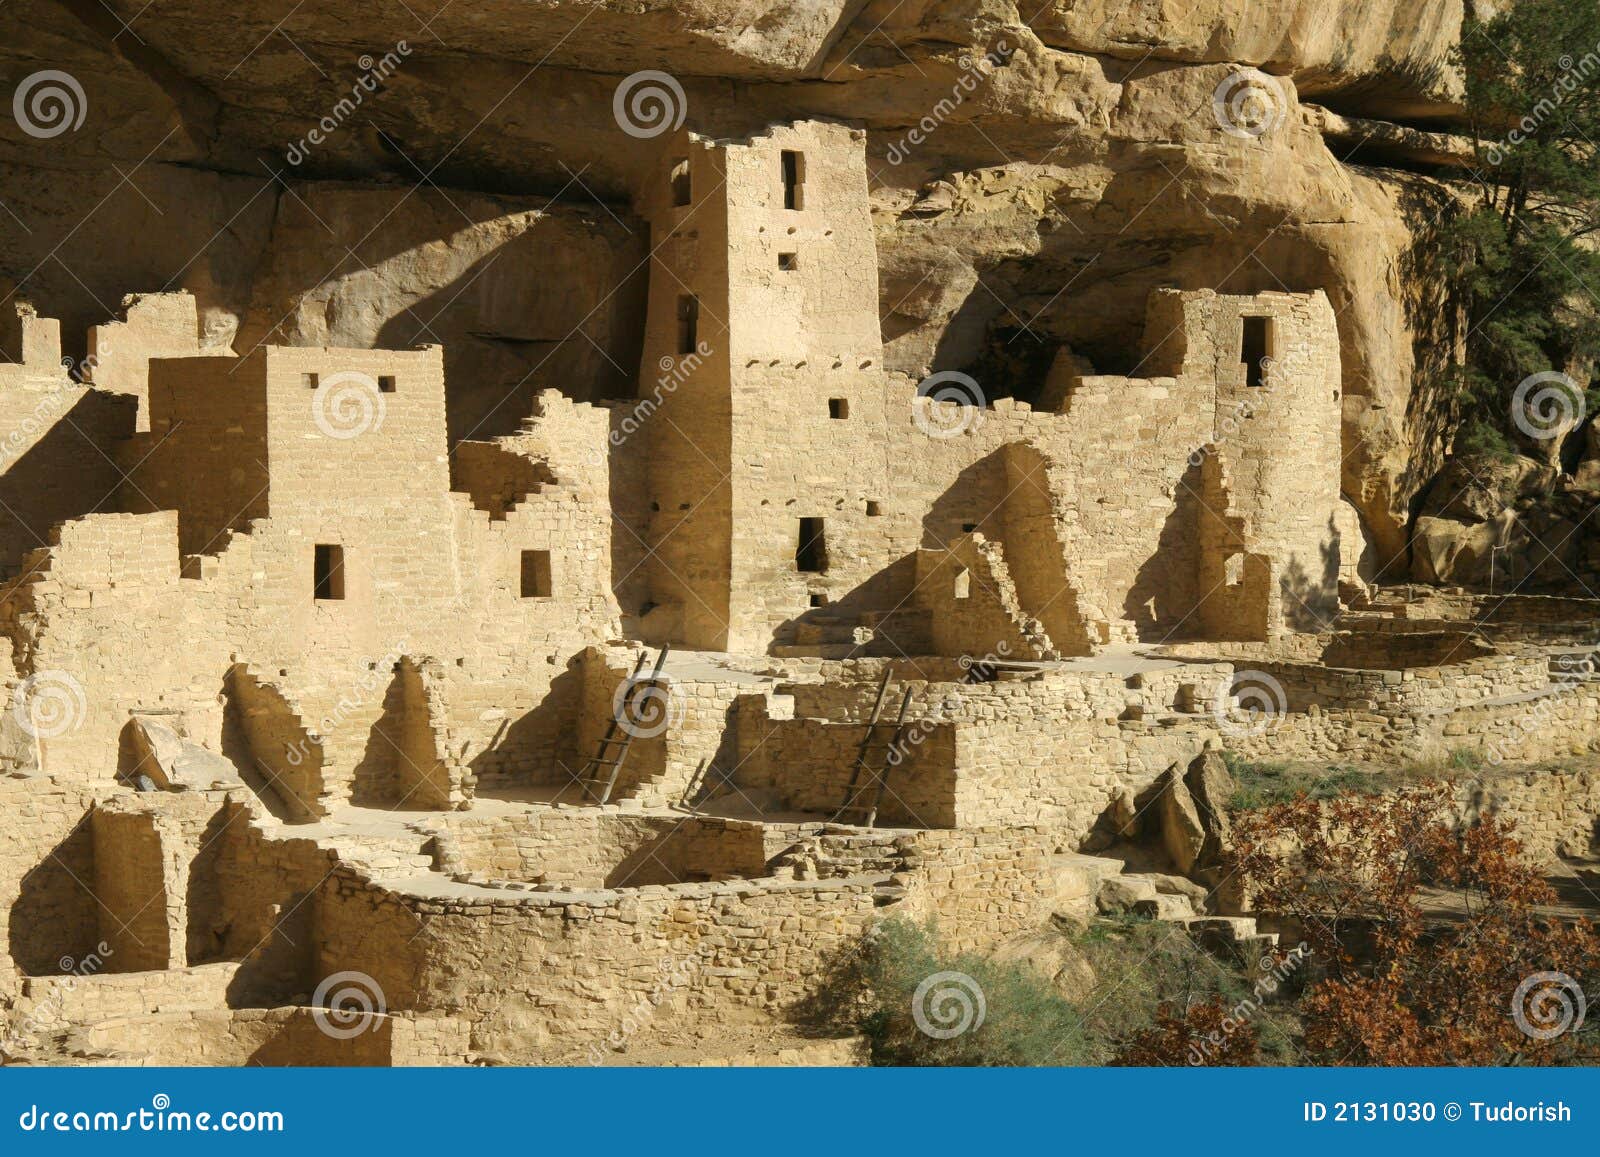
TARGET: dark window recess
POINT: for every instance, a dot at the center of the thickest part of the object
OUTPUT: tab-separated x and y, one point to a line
811	551
794	175
682	190
327	572
309	381
838	407
688	324
536	574
788	262
1256	349
386	384
819	600
968	527
873	509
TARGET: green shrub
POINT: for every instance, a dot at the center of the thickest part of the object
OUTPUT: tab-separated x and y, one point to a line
1259	785
1025	1020
1142	966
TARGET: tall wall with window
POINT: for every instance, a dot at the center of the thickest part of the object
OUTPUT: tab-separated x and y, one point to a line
795	481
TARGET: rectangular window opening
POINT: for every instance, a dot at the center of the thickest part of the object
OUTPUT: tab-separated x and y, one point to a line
688	323
794	175
873	508
309	381
838	408
682	190
386	384
788	262
963	584
536	574
811	551
327	572
1256	350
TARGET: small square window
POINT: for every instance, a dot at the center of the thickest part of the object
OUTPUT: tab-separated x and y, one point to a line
327	573
839	408
788	262
682	189
968	527
386	384
309	381
873	509
819	600
536	574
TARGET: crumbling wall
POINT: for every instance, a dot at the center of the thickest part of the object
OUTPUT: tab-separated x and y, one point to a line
57	438
150	325
973	605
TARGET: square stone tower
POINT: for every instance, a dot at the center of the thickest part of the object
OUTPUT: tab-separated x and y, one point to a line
762	323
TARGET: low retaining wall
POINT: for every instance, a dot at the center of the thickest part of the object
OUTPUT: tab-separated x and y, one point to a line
593	847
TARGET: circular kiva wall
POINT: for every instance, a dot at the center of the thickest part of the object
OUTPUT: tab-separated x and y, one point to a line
566	848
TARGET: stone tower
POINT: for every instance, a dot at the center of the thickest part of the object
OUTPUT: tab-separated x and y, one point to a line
762	324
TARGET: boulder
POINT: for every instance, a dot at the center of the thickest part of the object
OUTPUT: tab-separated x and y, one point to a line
1052	957
1164	906
1183	832
1166	885
1077	881
1119	894
1479	489
1587	476
1211	785
174	763
1124	813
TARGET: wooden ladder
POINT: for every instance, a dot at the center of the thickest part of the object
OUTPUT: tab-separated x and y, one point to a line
599	775
871	770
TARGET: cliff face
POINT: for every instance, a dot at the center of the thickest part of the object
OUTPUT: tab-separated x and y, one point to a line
1037	169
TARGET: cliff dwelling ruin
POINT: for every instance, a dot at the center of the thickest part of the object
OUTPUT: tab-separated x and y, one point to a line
313	677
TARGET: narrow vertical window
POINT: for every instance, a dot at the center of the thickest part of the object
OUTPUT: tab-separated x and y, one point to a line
327	572
536	574
688	324
811	549
1256	350
794	175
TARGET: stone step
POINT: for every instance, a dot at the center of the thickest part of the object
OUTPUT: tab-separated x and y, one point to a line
1164	906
